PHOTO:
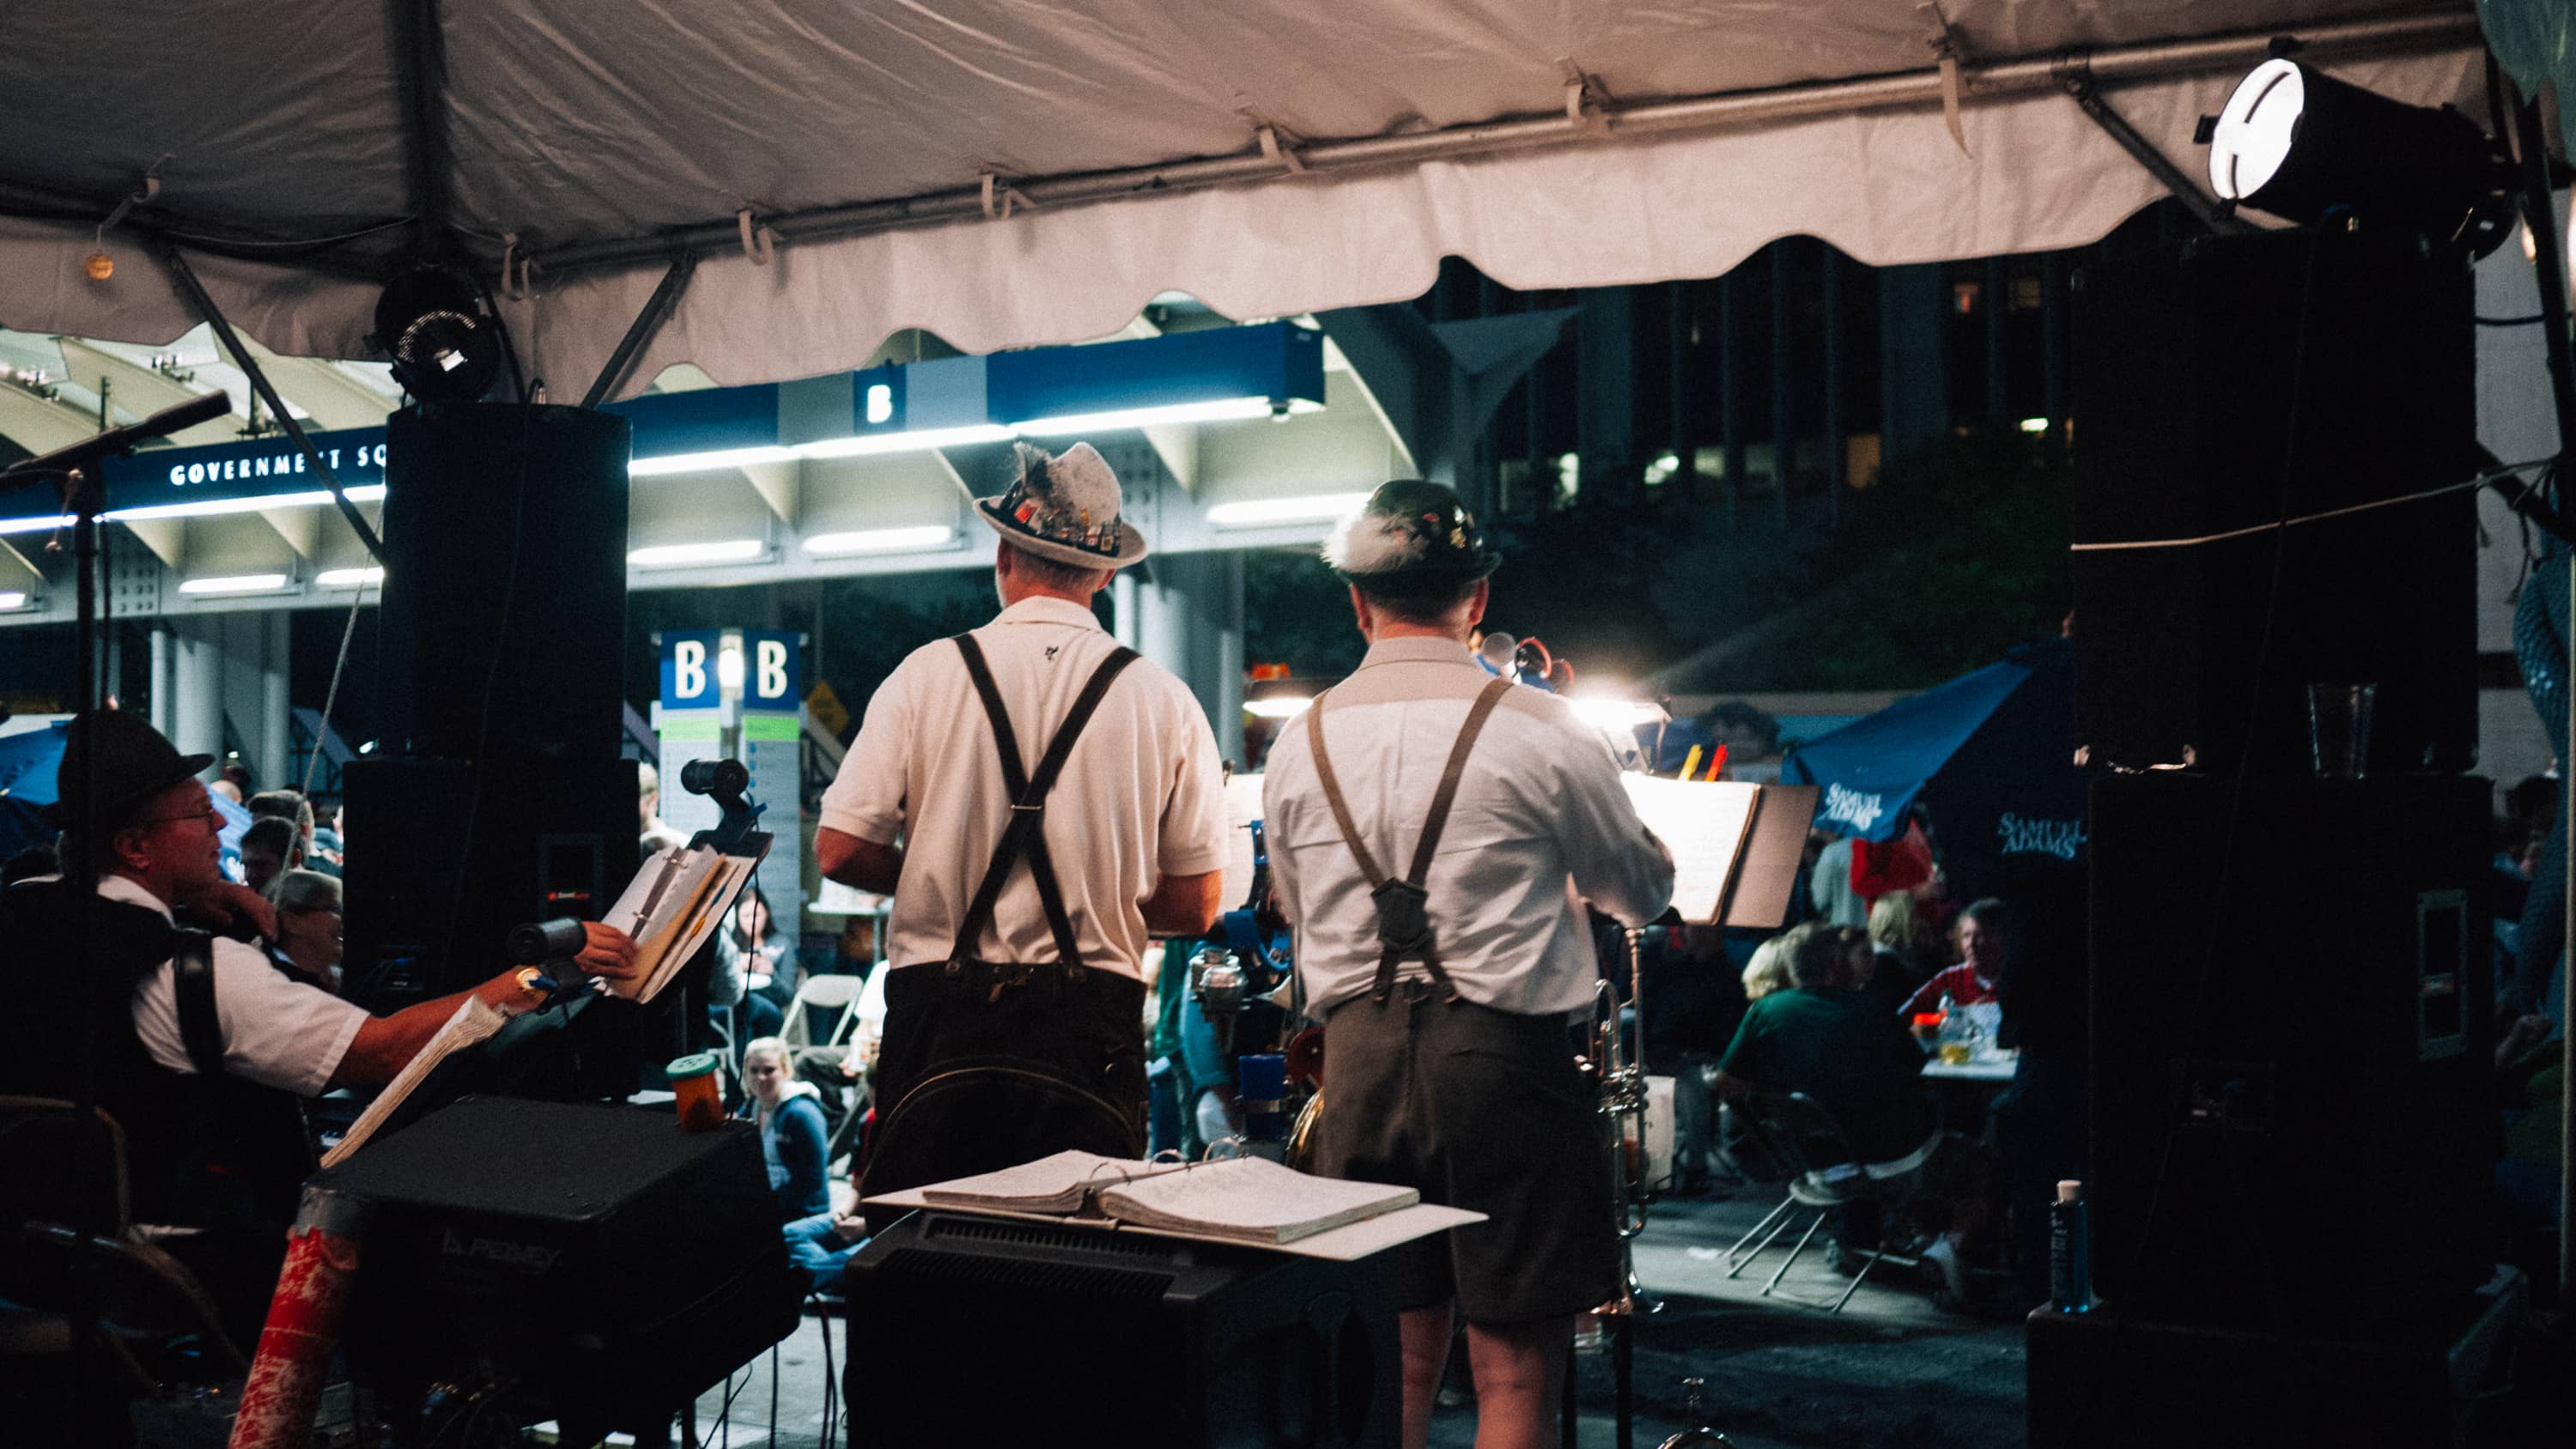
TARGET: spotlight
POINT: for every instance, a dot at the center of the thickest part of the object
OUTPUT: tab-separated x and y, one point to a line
2298	143
445	346
1280	698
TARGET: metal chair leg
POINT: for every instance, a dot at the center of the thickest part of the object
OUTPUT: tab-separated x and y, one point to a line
1792	1260
1784	1215
1869	1260
1781	1210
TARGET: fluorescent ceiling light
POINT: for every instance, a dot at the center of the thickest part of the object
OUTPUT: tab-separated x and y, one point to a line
1313	508
43	524
683	555
13	599
235	584
350	578
1219	410
2034	425
707	462
211	507
868	444
881	540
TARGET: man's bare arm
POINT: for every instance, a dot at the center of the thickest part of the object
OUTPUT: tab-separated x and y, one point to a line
856	862
1183	905
384	1045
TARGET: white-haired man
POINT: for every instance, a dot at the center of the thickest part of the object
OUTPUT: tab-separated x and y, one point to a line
1446	992
1038	801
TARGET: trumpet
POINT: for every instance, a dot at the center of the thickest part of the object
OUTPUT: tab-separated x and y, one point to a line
1701	1437
1619	1085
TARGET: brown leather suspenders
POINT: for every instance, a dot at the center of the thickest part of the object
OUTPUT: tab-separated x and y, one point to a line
1403	906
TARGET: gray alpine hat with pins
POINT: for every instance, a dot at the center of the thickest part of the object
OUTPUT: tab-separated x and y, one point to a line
1065	509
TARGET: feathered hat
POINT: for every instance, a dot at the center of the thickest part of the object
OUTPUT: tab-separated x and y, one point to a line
1065	508
1411	537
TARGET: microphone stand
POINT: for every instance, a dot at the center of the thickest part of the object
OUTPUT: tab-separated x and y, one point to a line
80	471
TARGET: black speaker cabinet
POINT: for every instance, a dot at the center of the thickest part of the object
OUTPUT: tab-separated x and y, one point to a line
2108	1381
968	1330
599	1258
2218	389
429	908
505	531
2312	1145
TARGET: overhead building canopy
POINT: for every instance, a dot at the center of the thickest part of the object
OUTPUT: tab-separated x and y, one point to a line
1005	174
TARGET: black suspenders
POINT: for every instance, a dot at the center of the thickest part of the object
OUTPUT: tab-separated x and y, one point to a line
1403	906
1025	836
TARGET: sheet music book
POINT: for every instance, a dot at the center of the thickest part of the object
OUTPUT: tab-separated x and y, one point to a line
1242	807
1061	1183
1237	1200
671	908
1705	823
473	1024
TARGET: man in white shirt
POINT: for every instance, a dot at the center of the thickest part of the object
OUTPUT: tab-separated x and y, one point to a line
1446	990
1038	801
226	1151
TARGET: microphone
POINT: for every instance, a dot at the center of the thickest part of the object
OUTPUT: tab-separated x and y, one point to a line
557	940
115	442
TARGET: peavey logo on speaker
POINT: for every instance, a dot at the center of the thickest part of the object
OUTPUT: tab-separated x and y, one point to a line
526	1257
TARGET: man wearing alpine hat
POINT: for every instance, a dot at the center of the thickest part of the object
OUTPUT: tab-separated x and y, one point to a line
1039	802
1433	836
198	1047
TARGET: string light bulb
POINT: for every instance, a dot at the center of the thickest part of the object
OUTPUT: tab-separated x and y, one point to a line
100	266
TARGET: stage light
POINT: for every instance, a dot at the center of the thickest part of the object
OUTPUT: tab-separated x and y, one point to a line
1217	410
1263	512
445	347
1281	698
881	540
366	578
687	555
2034	425
707	462
1613	712
873	444
236	584
2298	143
729	668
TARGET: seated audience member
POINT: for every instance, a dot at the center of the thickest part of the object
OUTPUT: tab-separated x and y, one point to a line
749	962
1982	932
1768	971
268	851
792	1134
289	806
1826	1040
1906	948
308	926
1693	1006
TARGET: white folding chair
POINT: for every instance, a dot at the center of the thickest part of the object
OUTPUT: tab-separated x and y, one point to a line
822	993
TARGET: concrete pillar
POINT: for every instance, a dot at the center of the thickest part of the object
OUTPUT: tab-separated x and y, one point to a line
276	759
1190	621
196	686
160	700
1123	593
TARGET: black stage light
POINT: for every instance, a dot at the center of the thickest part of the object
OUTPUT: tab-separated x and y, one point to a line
2298	143
445	345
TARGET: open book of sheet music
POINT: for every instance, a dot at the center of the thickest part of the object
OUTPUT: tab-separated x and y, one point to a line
473	1023
671	908
1704	823
1239	1199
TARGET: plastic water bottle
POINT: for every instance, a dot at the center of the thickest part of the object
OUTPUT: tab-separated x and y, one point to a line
2070	1250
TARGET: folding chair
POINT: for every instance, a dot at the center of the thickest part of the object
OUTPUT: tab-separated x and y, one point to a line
1824	1174
833	993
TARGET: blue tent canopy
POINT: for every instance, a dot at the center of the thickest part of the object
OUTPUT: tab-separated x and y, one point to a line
1992	752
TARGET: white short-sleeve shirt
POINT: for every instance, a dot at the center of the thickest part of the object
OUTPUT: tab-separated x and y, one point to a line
1540	824
277	1032
1140	797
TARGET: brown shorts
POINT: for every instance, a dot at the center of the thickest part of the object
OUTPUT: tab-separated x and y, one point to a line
1484	1110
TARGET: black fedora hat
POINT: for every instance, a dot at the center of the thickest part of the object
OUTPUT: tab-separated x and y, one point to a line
1411	537
134	764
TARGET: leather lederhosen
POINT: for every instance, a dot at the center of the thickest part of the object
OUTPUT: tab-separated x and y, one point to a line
988	1064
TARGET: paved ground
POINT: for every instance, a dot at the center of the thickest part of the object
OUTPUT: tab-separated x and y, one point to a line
1890	1370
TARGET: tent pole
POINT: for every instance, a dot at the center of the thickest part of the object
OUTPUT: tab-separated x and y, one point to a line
242	358
657	310
2444	30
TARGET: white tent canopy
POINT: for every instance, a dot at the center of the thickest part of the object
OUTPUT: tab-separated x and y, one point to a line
1005	174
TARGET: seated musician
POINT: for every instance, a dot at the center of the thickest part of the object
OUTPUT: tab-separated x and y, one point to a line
203	1049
